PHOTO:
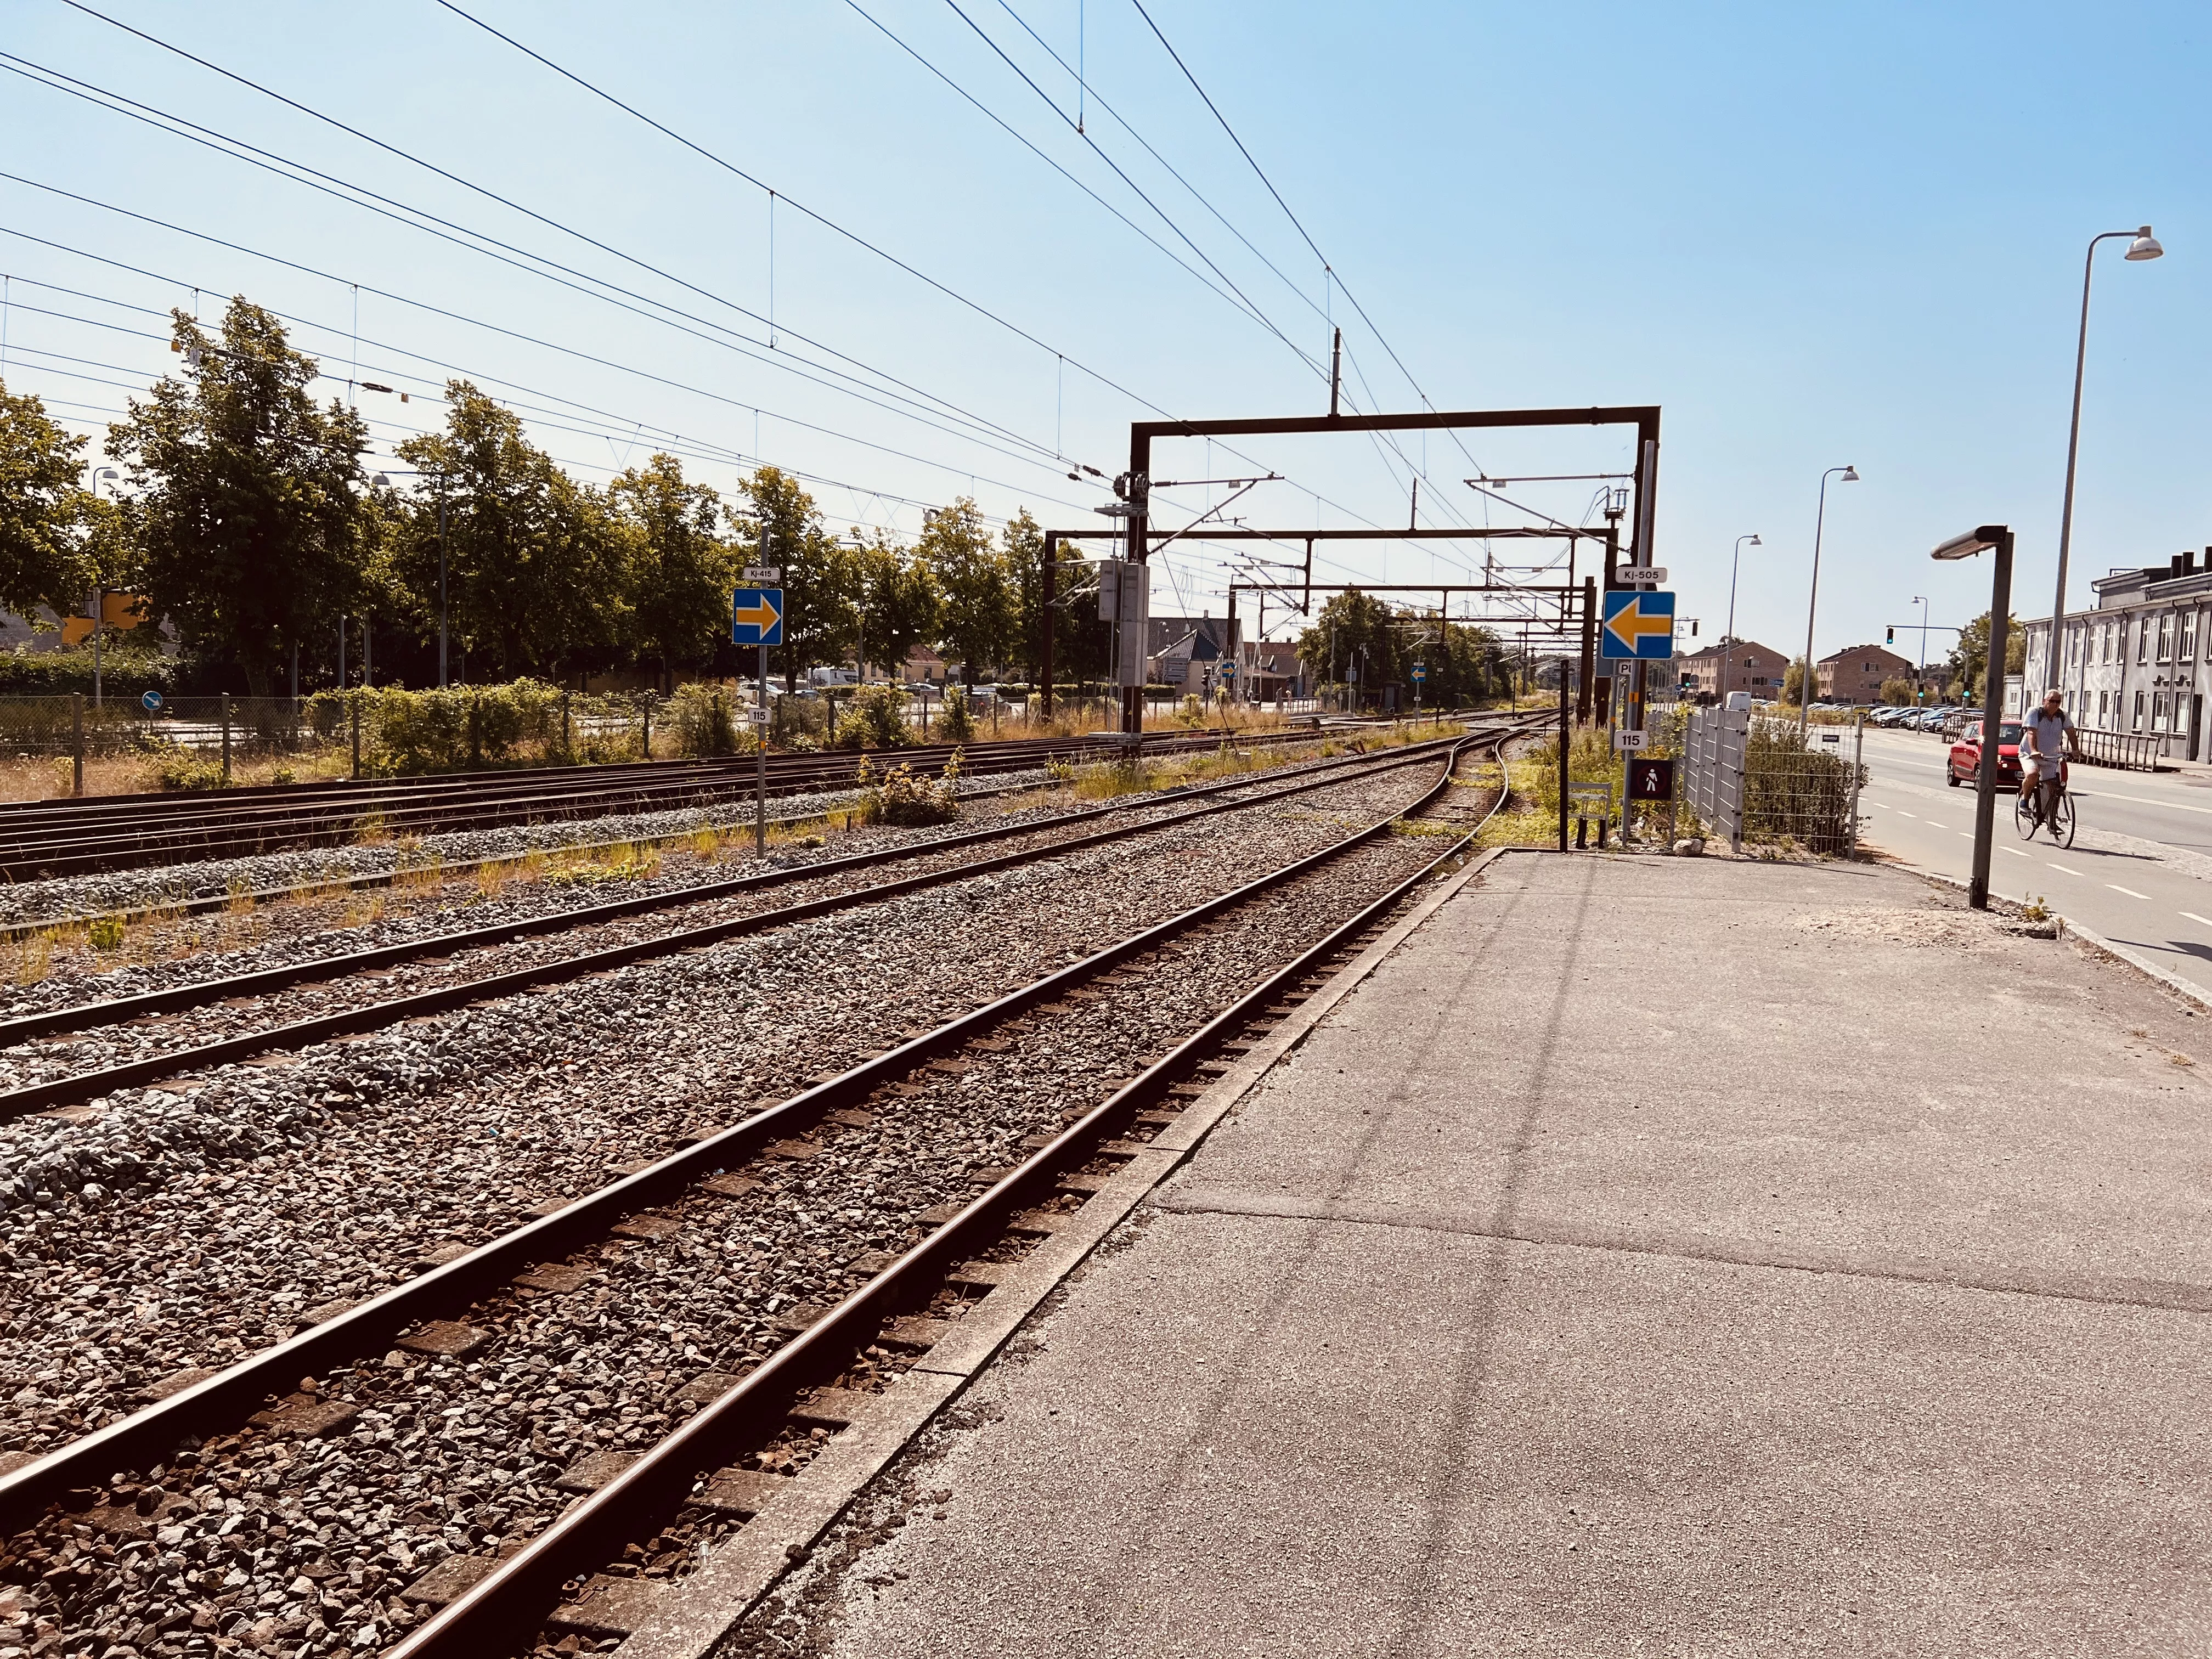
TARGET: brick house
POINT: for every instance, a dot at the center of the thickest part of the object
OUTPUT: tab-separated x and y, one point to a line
1743	665
1856	673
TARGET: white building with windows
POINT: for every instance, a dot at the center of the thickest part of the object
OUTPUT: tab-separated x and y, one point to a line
2136	664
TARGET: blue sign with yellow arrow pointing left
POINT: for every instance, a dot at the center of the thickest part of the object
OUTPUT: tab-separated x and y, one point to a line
1637	624
756	616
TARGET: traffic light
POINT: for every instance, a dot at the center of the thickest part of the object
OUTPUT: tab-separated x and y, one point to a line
1892	640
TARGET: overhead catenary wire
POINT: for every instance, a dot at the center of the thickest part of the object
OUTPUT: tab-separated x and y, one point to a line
924	404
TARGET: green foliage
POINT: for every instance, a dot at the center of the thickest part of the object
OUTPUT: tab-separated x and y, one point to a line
1972	650
184	769
125	670
246	513
678	570
897	604
977	619
1357	639
105	933
957	723
1895	692
704	718
42	509
818	612
879	714
534	561
406	733
907	800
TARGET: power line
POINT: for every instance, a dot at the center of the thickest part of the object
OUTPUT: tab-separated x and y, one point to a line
854	237
455	316
998	122
524	260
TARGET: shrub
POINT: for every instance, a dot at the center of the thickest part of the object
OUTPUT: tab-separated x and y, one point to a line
105	933
907	800
705	720
183	769
877	716
958	724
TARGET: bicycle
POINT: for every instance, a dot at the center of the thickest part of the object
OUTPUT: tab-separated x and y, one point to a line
2028	814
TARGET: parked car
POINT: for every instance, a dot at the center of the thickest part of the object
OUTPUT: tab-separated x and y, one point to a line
1967	755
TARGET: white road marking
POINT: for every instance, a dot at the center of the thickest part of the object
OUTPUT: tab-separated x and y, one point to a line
2014	851
2129	891
2063	870
2140	800
2193	916
1901	812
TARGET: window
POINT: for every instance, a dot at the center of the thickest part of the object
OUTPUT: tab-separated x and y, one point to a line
2142	639
2104	703
2157	710
2137	724
2189	636
2180	702
2166	636
2107	632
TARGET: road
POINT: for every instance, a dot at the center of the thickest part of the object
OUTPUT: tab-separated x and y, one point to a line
2139	872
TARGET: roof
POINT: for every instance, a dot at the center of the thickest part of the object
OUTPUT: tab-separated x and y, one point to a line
1865	651
1197	645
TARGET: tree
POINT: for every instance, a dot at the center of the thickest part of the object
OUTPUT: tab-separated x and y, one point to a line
1793	681
42	509
534	573
1354	637
679	571
1972	650
818	608
248	511
976	624
896	602
1897	692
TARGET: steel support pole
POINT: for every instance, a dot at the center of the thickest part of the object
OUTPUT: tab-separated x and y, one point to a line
760	771
1563	746
1051	581
1993	676
76	743
1590	650
442	681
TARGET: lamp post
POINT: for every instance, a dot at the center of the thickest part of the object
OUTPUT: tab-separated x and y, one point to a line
2141	245
1965	546
1919	685
1727	641
1851	475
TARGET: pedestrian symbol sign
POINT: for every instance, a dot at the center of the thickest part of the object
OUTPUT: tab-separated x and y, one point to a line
756	616
1638	625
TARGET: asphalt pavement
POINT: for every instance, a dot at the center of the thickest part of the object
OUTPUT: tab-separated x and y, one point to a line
2138	875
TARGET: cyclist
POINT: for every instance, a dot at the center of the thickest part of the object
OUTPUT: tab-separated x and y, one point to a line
2046	738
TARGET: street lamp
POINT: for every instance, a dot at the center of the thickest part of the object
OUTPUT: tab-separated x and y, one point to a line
1966	546
1728	642
386	479
1919	685
1851	475
2141	245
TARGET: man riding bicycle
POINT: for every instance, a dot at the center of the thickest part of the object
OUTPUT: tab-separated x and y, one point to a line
2046	738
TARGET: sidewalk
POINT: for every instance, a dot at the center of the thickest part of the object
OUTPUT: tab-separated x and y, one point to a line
1652	1257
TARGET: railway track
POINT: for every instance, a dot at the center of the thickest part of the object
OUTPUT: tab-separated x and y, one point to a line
474	965
41	840
886	1156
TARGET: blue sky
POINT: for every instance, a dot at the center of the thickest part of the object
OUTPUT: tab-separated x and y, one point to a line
1813	236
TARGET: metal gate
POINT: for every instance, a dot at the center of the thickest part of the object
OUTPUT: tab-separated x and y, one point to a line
1713	749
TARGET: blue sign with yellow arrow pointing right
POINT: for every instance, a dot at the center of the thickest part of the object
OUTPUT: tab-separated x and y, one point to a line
1637	624
756	616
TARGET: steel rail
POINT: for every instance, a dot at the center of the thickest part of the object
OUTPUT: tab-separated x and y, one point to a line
525	1588
72	838
114	1011
147	1435
89	1085
145	833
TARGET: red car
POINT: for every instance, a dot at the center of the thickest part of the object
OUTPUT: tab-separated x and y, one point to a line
1967	755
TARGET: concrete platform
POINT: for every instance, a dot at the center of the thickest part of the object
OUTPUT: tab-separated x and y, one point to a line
1652	1257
